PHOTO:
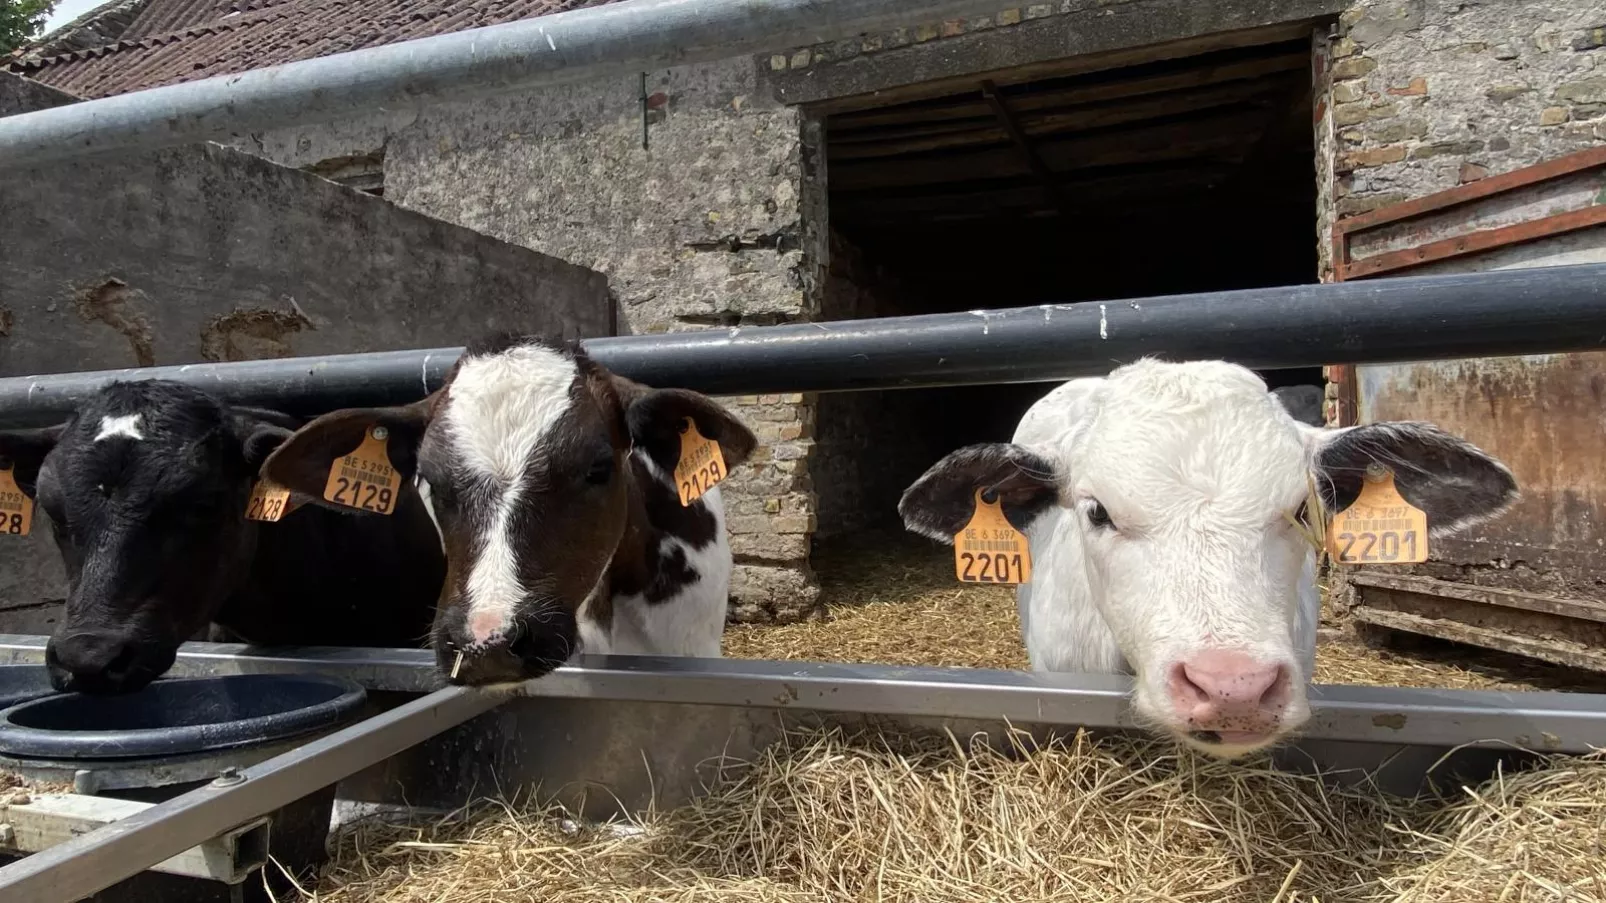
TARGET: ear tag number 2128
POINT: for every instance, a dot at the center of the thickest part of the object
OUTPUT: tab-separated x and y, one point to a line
990	550
16	509
364	478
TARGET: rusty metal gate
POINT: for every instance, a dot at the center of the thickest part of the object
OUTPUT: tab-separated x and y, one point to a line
1530	582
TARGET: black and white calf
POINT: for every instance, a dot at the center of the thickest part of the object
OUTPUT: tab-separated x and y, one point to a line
550	480
146	487
1162	504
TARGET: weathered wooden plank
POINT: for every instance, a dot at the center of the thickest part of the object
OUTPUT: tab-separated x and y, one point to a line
970	132
1088	90
1483	595
1214	134
1572	655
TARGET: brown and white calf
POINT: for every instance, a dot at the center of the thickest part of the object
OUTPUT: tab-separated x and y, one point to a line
550	482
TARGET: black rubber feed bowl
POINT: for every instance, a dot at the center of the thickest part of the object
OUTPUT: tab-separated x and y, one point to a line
21	683
178	717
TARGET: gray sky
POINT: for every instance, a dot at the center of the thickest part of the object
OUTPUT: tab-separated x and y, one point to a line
68	10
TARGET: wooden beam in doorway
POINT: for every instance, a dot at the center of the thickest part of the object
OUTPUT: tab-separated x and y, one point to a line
1023	145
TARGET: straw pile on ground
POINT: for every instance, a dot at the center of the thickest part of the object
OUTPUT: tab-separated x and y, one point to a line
827	816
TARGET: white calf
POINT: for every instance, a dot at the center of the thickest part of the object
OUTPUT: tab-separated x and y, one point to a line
1160	504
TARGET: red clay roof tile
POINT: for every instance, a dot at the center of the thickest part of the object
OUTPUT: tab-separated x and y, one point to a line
173	41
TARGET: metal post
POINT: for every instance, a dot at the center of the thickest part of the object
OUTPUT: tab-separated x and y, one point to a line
572	46
93	862
1527	311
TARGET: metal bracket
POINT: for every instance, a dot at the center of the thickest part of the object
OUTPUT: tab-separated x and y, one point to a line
49	819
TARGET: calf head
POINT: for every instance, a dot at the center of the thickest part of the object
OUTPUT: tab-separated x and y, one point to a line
525	459
145	488
1180	487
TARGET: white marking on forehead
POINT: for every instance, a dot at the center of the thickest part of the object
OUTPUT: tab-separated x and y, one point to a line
126	426
499	410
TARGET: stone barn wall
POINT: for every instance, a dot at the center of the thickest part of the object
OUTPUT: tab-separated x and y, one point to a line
202	253
693	202
1424	95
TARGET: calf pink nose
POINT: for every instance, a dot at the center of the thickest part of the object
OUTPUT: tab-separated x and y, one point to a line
1223	690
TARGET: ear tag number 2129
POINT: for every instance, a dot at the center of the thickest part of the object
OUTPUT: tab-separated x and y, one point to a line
990	550
701	465
364	478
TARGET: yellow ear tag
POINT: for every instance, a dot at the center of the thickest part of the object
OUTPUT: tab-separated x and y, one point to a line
1381	527
269	502
364	479
989	550
701	464
16	509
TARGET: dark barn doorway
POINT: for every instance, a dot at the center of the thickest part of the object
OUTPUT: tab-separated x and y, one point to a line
1181	175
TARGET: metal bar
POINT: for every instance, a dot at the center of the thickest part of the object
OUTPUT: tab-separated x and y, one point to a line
93	862
588	43
1562	722
50	819
1523	311
1475	242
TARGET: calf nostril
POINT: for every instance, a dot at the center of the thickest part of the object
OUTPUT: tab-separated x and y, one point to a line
1185	688
121	664
1278	690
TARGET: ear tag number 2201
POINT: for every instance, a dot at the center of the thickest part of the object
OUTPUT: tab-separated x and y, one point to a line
989	549
1380	528
364	478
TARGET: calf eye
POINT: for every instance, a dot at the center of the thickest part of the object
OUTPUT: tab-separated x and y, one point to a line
1098	517
601	469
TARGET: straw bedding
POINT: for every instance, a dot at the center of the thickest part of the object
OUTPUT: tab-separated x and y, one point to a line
832	816
828	816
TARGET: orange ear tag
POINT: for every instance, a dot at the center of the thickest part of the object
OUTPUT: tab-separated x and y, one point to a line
701	464
16	509
364	479
989	550
1381	527
269	502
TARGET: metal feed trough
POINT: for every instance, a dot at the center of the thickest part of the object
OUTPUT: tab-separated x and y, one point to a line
639	726
642	727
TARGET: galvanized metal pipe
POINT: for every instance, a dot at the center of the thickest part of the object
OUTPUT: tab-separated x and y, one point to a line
1528	311
95	861
1552	722
533	53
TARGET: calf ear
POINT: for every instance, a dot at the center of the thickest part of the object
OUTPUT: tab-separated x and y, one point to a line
941	502
25	450
301	464
259	432
654	418
1455	483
